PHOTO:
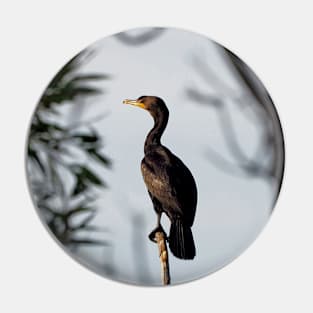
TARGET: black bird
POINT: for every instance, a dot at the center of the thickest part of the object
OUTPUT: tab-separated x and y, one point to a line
170	184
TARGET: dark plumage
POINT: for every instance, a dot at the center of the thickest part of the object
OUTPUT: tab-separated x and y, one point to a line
170	184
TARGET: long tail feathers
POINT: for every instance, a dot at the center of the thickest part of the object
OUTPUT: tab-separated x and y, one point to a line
181	241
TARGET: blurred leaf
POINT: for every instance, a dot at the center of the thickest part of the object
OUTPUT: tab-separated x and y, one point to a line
58	149
79	187
34	156
204	98
79	210
86	138
84	176
94	228
141	38
90	77
39	127
85	222
67	92
99	157
84	91
89	175
87	242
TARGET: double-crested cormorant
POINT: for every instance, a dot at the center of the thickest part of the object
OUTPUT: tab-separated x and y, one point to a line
170	184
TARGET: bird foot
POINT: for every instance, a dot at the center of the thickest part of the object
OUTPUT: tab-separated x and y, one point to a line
159	228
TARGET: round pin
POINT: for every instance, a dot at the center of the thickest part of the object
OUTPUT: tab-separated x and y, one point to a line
155	156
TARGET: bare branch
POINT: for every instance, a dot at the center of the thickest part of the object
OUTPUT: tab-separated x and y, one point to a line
160	238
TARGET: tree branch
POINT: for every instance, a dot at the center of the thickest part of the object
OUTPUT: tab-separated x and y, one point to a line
160	238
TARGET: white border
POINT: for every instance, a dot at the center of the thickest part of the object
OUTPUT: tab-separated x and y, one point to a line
274	38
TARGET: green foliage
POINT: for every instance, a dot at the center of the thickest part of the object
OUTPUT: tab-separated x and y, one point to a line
84	179
62	186
67	85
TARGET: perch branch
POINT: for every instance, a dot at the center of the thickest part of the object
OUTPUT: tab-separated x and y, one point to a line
160	238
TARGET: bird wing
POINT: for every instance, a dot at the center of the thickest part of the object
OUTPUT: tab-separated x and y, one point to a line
171	182
183	188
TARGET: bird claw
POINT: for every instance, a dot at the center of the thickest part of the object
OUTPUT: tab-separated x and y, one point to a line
152	236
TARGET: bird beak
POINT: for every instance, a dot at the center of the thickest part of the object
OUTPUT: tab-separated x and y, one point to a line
135	103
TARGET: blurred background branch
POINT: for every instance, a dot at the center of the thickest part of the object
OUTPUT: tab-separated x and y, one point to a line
141	36
254	103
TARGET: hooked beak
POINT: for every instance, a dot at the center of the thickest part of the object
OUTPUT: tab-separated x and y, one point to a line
135	103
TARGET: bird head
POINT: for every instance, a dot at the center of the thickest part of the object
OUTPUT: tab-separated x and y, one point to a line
154	105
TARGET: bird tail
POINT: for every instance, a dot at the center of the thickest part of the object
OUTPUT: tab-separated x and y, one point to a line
181	240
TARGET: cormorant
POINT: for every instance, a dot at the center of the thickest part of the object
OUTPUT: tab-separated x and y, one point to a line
170	184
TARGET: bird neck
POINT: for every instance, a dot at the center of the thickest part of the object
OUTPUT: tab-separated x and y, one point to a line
155	134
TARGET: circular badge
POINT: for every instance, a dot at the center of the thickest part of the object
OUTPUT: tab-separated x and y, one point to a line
155	156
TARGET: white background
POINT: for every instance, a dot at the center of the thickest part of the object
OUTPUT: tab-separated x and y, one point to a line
274	38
